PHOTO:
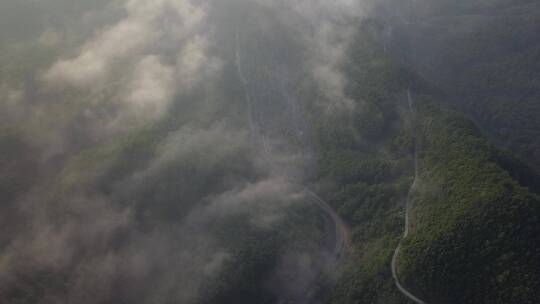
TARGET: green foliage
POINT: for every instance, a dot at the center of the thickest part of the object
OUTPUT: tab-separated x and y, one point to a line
365	164
476	228
256	253
491	68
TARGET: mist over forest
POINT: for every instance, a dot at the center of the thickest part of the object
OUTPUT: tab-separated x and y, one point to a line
269	151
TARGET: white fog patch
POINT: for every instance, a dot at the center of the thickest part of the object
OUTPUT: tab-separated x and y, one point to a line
93	65
335	24
48	245
264	201
150	91
327	29
127	74
206	147
193	63
50	38
216	263
133	58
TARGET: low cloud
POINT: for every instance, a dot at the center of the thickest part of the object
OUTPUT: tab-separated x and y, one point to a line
94	65
104	237
50	38
134	58
264	201
150	91
326	28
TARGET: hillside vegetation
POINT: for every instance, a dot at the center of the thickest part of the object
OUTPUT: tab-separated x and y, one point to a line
485	55
474	228
475	237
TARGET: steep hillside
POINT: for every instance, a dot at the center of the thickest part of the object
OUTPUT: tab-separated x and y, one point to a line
254	151
485	56
473	227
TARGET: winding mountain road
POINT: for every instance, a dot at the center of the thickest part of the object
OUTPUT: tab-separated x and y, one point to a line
342	238
399	286
272	99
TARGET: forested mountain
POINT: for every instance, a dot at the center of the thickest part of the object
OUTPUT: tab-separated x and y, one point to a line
267	151
484	55
471	210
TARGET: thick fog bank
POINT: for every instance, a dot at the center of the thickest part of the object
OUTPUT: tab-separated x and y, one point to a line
134	139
